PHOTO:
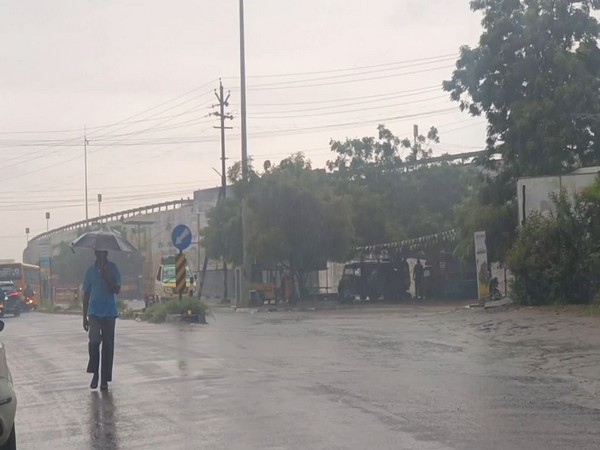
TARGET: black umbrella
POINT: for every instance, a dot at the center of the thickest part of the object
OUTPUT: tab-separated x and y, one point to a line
103	240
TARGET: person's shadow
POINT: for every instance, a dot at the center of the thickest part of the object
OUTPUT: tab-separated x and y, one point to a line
102	418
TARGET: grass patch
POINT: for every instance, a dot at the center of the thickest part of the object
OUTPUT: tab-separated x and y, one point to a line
158	313
47	307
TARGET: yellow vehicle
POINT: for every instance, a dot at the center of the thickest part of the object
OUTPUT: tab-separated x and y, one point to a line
26	278
166	281
262	281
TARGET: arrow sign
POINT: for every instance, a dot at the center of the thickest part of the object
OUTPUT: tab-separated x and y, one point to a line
181	237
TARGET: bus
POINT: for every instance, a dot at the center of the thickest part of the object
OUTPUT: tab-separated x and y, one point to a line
26	278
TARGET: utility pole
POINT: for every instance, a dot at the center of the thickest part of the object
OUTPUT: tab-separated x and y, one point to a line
416	133
223	103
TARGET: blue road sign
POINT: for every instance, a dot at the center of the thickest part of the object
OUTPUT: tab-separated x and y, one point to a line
181	237
44	262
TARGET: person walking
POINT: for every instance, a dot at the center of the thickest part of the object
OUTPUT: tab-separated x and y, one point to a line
101	284
418	275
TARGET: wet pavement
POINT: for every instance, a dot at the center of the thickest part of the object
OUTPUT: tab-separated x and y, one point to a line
370	378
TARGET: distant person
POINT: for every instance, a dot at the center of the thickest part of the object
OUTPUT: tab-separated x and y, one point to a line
101	285
418	276
405	274
28	292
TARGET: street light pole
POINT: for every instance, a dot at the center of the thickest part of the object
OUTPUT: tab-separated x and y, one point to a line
49	287
99	203
85	143
27	234
243	94
244	299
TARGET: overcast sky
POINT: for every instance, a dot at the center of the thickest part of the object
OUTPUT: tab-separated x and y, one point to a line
141	74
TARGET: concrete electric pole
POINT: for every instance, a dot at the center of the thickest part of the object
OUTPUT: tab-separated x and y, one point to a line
223	103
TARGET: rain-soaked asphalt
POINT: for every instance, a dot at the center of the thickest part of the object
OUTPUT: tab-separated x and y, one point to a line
381	378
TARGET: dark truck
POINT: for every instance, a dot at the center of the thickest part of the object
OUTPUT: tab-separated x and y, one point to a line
374	280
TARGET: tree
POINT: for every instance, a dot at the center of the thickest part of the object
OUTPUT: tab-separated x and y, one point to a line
222	238
421	147
294	219
388	202
488	205
367	157
534	75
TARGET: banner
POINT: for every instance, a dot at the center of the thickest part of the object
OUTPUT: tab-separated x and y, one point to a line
481	265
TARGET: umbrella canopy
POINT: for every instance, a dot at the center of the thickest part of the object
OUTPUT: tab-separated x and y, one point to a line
103	240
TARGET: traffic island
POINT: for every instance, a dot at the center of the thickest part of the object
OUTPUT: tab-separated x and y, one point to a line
188	310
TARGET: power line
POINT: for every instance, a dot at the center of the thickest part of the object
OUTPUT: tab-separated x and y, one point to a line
353	100
448	55
273	87
333	102
349	75
337	112
115	123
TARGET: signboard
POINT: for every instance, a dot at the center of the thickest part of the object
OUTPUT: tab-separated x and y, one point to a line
181	237
481	262
180	265
10	272
44	247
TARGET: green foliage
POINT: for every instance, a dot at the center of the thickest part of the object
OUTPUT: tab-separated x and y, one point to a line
158	313
552	259
534	75
482	209
223	236
388	201
293	218
366	158
300	218
421	147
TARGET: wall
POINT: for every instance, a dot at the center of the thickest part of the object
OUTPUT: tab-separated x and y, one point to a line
539	190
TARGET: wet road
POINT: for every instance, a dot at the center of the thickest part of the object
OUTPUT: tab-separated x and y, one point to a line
358	379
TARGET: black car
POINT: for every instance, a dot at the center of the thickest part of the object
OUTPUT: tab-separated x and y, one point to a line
11	300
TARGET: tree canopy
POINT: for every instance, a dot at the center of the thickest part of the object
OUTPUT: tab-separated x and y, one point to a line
534	75
294	219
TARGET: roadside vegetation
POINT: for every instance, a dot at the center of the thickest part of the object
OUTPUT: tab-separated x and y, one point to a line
541	101
187	307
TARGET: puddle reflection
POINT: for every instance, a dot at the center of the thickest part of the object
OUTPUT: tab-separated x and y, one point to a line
102	421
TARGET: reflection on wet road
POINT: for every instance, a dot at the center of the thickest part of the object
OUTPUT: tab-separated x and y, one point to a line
103	416
395	378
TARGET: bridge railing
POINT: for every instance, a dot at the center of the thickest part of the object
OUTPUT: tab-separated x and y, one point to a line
115	217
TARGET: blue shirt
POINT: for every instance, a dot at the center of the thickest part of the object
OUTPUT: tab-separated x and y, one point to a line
103	302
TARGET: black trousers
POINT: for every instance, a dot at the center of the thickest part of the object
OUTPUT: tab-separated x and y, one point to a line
101	331
418	288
